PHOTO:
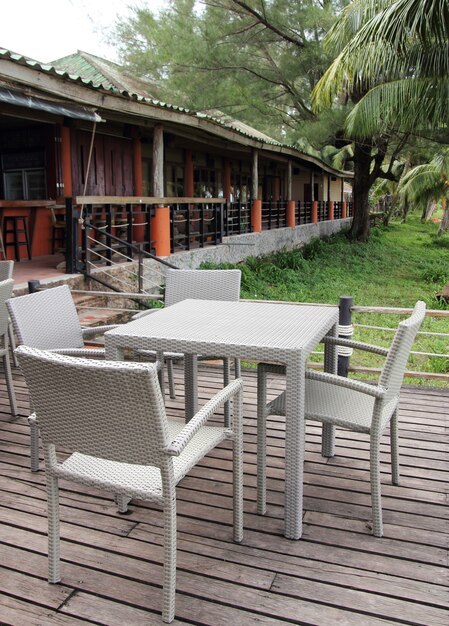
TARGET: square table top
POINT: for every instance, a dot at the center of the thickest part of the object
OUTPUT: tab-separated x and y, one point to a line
241	329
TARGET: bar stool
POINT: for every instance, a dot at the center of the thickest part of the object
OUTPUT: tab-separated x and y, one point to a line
58	229
16	225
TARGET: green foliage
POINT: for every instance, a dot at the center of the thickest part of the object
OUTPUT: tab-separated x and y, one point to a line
398	266
256	61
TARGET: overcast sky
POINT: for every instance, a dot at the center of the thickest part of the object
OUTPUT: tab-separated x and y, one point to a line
49	29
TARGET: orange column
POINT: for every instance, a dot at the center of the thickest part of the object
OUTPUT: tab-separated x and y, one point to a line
314	214
343	210
331	210
188	174
291	218
66	160
161	230
256	216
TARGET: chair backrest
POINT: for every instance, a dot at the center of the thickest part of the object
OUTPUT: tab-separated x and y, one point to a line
6	287
6	269
46	319
396	361
108	409
202	285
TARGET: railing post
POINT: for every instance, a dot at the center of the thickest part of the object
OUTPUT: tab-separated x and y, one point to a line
71	244
345	330
343	210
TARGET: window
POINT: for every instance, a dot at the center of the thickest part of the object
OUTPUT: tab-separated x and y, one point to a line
24	176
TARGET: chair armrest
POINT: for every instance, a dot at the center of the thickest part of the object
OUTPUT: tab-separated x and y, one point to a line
97	330
200	418
349	383
87	353
359	345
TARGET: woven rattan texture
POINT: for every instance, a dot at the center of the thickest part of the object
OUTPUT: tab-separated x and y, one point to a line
111	416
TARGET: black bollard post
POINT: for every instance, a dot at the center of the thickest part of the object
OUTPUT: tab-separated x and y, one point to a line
345	331
33	286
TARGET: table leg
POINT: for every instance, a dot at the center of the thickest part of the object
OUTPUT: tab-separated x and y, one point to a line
113	353
330	365
191	385
294	448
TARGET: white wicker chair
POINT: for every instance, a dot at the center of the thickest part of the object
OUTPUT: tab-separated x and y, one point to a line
48	320
198	285
110	415
348	403
6	271
6	287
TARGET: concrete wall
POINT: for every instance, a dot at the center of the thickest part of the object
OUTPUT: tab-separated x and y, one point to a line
239	247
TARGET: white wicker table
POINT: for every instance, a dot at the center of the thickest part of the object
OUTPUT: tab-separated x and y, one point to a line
269	332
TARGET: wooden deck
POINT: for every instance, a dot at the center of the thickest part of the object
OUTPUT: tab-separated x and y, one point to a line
336	574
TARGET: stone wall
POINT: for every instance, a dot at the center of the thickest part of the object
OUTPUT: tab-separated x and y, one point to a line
239	247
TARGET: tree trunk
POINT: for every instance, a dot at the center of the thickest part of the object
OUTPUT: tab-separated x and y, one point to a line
360	192
428	211
444	224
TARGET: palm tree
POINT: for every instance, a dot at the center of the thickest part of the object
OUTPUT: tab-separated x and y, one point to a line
393	64
429	183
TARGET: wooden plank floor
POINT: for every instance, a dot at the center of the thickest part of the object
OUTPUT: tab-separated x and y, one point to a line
337	574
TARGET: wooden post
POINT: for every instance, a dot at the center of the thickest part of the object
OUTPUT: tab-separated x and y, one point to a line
188	174
138	216
289	180
255	177
161	219
66	162
158	162
343	210
227	180
291	217
314	212
256	216
330	215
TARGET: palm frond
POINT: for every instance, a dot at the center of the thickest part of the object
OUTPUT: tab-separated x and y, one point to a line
407	105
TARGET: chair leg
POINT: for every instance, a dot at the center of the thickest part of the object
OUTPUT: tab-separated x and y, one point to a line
12	344
171	379
9	382
237	467
34	446
375	484
261	440
226	380
54	575
394	449
237	368
328	440
169	590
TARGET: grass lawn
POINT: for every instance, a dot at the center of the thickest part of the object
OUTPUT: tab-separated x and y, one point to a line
399	265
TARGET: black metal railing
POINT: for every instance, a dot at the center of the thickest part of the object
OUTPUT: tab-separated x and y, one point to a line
237	220
303	213
274	214
104	229
196	225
